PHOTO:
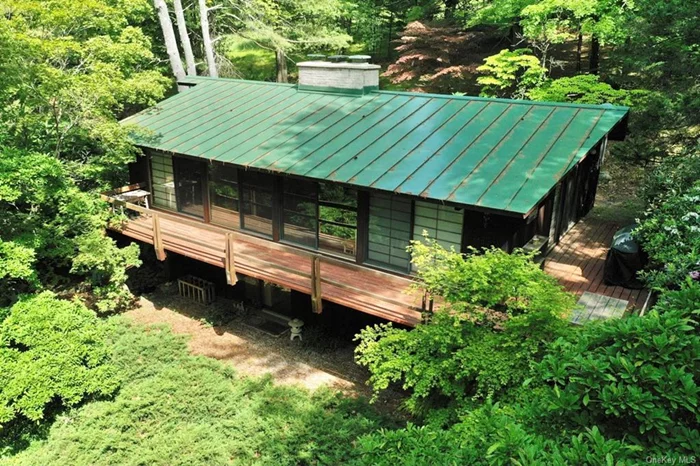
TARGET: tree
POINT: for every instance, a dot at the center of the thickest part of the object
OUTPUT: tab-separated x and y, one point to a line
52	351
510	74
184	38
206	39
500	310
166	27
290	26
433	57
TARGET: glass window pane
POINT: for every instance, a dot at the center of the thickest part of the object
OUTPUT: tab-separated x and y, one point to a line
223	195
338	215
337	194
256	206
299	229
389	231
337	239
163	181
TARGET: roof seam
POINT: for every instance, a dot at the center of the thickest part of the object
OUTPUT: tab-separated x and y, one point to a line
300	101
515	154
453	116
481	162
539	162
400	139
459	156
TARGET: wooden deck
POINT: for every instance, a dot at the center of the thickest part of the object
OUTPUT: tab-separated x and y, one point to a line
578	261
372	291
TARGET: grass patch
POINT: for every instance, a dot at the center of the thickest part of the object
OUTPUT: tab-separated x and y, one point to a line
174	408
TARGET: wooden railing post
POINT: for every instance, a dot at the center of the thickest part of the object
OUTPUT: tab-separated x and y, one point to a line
316	297
157	238
229	263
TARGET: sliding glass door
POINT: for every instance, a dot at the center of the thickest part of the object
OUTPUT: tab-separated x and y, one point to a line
189	185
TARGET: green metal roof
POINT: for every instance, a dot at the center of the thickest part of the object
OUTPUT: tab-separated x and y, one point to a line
493	153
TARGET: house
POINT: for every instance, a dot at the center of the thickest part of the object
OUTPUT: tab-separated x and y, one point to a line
319	187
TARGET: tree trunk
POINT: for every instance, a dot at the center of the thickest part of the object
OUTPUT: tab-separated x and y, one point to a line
184	38
579	47
515	35
594	56
281	61
206	38
450	7
169	37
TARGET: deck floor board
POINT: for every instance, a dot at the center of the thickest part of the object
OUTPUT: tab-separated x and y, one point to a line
391	296
578	261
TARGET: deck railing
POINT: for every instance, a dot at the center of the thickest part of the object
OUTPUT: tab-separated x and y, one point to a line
315	279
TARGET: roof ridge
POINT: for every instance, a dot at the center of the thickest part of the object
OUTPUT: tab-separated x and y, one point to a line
428	95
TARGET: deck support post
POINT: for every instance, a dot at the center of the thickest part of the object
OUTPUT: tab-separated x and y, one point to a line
229	263
316	298
157	238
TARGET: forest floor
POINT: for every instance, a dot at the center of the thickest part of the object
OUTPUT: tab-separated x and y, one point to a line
222	333
618	197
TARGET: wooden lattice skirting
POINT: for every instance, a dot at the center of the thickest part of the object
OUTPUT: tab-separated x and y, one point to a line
196	289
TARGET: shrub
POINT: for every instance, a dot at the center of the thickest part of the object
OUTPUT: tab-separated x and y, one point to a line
510	74
491	278
491	435
670	234
636	378
51	350
582	89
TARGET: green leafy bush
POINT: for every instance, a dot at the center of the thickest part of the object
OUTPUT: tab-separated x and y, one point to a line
51	350
672	177
445	362
492	435
637	378
510	74
501	312
582	89
670	234
489	278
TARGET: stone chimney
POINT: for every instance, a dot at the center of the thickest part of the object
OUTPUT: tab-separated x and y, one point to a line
340	76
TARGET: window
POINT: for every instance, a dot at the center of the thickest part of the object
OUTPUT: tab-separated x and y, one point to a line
442	223
223	193
337	206
163	182
256	202
320	216
300	216
389	231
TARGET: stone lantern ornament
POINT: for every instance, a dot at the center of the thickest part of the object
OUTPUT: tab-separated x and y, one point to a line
295	325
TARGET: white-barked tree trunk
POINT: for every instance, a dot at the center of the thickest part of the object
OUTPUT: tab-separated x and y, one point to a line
206	38
169	37
184	38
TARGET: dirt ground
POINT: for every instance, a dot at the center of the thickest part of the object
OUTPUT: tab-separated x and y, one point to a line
219	331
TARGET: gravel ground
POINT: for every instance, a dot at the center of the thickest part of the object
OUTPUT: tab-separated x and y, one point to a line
221	332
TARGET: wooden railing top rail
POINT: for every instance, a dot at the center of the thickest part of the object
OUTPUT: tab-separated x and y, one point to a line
253	239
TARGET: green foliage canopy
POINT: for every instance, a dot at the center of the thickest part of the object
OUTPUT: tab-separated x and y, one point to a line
510	74
51	350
